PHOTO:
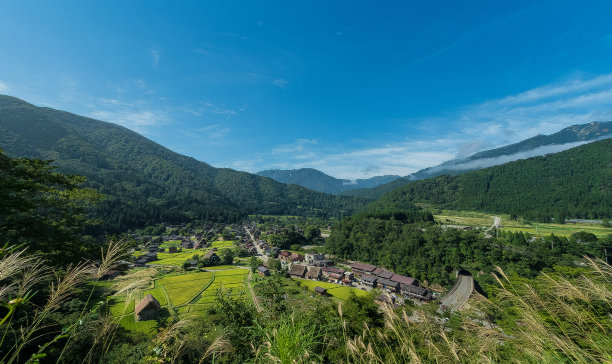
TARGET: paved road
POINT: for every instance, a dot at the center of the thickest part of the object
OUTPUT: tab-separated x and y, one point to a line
459	294
260	252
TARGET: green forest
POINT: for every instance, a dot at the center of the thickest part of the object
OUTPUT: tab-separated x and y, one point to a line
570	184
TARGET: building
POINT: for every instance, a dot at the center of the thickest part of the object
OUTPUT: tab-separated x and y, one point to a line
263	271
360	269
417	292
320	290
381	273
409	281
147	309
369	280
314	273
326	271
212	257
312	257
388	284
172	249
297	271
187	244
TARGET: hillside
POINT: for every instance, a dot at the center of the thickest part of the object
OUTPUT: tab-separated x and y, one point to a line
146	183
569	137
319	181
573	183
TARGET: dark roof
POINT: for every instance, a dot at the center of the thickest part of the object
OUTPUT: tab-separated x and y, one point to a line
369	278
363	266
335	275
320	289
384	274
209	254
333	270
298	270
262	269
387	282
403	279
148	300
416	290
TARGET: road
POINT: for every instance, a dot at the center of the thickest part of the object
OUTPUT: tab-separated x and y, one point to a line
496	224
459	294
261	254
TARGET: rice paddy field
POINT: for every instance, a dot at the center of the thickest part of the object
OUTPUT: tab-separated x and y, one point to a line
479	219
335	290
180	294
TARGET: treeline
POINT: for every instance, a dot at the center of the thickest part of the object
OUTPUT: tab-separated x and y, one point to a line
428	252
145	183
570	184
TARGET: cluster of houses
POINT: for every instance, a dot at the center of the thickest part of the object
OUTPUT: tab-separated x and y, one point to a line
317	267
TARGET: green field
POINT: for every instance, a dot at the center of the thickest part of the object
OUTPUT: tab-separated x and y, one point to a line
334	290
480	219
180	294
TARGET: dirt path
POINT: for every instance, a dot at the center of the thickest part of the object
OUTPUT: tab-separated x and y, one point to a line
255	298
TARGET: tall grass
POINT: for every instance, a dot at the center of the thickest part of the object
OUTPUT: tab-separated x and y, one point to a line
550	319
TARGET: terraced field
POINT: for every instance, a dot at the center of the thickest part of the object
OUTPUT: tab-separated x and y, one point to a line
181	294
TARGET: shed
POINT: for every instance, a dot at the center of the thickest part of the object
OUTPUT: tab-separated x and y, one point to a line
320	290
147	309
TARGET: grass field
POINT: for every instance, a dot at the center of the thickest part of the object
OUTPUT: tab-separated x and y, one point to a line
480	219
334	290
180	294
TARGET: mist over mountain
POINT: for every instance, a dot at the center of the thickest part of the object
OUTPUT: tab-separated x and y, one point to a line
144	182
319	181
539	145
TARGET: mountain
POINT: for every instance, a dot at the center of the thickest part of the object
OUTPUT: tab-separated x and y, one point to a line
146	183
569	137
573	183
319	181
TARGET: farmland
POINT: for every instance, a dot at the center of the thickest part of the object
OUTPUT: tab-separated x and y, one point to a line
179	294
480	219
334	290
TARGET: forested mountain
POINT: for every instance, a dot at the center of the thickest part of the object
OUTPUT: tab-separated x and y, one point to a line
144	182
319	181
573	183
569	137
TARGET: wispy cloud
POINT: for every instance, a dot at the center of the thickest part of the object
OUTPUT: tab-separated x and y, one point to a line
140	121
4	88
155	56
280	82
542	110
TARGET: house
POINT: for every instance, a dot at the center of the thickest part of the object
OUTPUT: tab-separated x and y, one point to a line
295	257
147	309
320	290
369	280
151	256
199	245
263	271
284	256
360	269
297	271
408	281
381	273
383	298
417	292
192	263
312	257
326	271
172	249
334	277
212	257
187	244
388	284
110	275
314	273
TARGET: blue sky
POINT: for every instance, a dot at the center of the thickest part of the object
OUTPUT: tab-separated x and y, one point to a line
352	88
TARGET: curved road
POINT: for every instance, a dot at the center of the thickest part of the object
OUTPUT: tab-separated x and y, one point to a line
459	294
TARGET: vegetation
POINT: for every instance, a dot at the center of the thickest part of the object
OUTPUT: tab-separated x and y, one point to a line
574	183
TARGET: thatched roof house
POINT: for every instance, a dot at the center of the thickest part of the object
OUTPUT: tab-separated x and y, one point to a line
147	309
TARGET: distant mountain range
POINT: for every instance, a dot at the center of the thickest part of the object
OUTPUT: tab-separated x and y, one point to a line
145	183
319	181
567	138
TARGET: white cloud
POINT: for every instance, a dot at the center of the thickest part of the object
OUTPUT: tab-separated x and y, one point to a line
4	88
140	121
542	110
155	56
280	82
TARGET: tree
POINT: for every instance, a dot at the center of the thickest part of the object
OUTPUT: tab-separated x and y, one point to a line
227	256
44	209
254	263
312	233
